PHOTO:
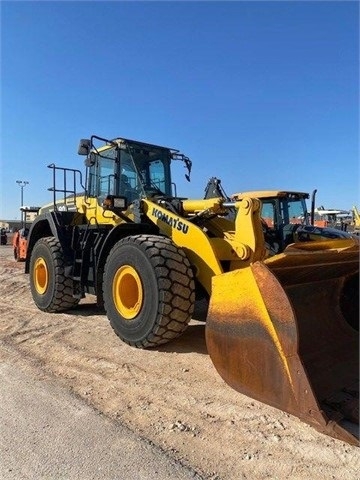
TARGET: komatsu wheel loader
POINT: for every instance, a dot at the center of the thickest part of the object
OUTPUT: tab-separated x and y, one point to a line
280	328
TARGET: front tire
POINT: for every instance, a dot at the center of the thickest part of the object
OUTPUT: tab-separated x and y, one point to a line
50	289
148	290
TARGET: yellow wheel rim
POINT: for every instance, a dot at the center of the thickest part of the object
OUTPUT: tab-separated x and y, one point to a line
127	292
41	276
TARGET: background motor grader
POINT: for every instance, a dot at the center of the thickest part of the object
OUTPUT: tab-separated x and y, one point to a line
280	328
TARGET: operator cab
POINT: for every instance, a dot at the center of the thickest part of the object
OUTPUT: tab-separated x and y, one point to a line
129	169
282	213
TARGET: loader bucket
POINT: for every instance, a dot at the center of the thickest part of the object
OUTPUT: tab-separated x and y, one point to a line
284	331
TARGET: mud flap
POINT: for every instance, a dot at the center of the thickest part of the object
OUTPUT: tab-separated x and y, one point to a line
283	332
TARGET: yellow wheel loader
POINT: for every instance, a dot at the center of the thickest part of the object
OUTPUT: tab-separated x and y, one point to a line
284	215
281	328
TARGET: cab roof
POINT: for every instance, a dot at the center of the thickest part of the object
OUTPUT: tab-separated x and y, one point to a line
270	194
121	141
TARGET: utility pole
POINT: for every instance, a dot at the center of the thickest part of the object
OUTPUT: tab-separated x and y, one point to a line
22	184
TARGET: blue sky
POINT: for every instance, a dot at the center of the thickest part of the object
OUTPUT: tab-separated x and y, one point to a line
262	95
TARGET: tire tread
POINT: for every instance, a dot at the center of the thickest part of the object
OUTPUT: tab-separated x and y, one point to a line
176	289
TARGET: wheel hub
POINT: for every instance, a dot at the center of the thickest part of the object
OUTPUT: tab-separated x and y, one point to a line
41	276
127	292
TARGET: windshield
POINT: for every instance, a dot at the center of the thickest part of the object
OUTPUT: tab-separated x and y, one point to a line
152	168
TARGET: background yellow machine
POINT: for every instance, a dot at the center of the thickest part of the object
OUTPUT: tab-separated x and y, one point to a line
356	220
281	328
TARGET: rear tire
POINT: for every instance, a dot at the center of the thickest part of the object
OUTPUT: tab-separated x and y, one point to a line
50	289
148	290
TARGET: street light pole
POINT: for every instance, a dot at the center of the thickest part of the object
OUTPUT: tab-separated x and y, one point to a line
22	184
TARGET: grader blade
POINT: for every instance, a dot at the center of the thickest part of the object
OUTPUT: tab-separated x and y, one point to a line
284	331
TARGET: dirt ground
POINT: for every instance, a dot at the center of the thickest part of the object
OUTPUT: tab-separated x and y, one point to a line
171	396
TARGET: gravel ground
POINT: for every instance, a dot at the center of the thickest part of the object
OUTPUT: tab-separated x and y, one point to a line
171	396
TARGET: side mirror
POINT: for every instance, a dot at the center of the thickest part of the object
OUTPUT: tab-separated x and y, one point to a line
84	147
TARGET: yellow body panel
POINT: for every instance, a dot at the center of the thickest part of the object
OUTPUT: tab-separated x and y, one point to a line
206	253
90	207
190	237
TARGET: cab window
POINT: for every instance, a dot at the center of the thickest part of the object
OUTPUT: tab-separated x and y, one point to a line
268	213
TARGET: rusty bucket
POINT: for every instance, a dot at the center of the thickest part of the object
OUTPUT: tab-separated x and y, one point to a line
284	331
